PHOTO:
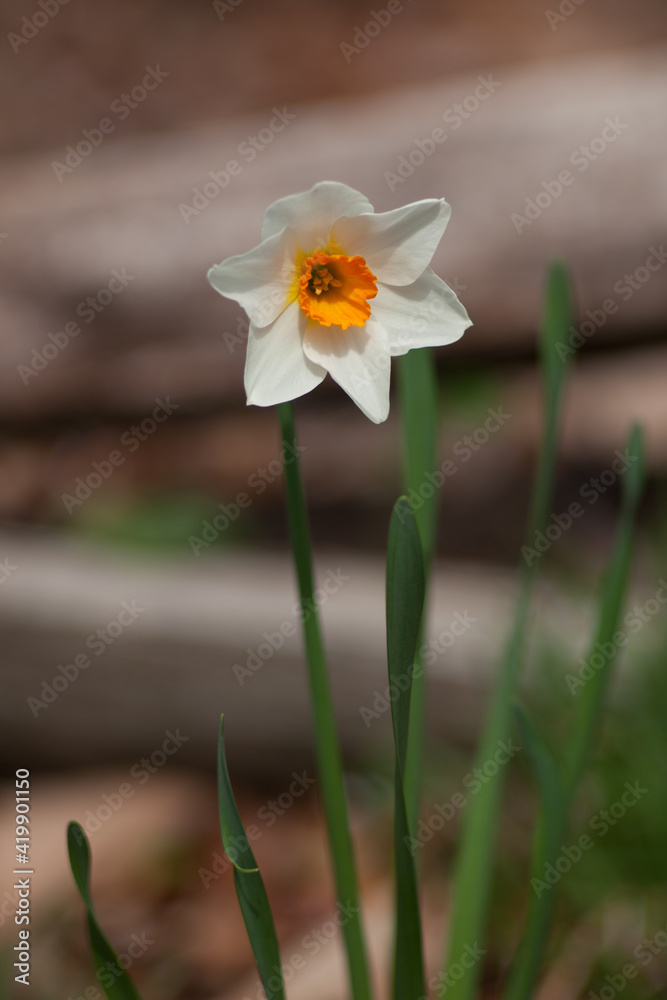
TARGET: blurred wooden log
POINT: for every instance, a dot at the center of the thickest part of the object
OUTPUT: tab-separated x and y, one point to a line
164	332
216	456
221	634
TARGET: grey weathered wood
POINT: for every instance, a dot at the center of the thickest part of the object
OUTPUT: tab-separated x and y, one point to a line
174	665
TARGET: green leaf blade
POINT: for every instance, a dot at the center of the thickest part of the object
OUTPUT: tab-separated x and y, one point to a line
546	769
612	599
545	849
554	344
104	956
249	884
474	869
419	398
555	354
405	606
553	821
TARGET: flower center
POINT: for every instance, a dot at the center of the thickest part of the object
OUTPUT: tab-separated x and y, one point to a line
333	289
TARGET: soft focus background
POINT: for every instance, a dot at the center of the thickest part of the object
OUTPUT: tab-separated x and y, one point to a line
139	599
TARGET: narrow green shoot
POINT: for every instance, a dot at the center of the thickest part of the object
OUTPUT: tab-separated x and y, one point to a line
249	884
552	824
474	872
116	983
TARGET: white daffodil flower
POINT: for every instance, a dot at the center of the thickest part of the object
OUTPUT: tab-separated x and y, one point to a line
336	287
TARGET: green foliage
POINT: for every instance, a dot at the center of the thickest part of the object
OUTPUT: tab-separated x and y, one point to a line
121	986
474	870
249	884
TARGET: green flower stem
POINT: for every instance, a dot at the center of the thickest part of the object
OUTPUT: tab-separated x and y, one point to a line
328	751
418	391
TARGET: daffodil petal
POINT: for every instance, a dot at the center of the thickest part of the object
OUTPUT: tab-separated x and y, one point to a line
426	313
358	359
260	279
399	245
276	368
312	213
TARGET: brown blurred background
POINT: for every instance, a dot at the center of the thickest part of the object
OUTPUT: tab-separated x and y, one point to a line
116	120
